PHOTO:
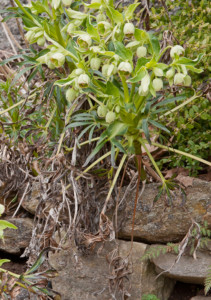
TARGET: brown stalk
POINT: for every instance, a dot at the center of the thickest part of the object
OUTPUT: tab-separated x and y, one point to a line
139	160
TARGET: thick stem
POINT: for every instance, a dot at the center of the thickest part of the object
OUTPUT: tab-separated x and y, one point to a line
139	160
125	87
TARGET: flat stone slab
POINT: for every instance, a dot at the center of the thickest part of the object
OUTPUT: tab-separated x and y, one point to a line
87	277
162	223
16	240
188	269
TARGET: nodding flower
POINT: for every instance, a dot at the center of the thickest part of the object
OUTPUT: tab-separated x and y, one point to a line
176	50
83	81
125	68
129	29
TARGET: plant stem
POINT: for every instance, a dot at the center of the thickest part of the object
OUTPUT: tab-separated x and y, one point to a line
94	163
182	153
180	106
84	143
113	183
11	107
26	13
125	87
132	91
154	163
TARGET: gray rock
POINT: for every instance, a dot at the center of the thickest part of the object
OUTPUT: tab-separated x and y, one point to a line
86	277
15	240
201	298
188	269
160	223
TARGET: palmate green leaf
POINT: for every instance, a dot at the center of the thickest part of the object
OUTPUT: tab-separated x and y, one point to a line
195	70
115	15
170	100
98	147
84	131
73	14
146	129
92	31
64	82
116	143
140	35
189	62
141	62
91	132
41	6
130	10
83	117
109	3
77	124
5	224
158	125
124	53
5	61
112	89
116	128
19	74
2	261
38	263
139	76
93	5
154	42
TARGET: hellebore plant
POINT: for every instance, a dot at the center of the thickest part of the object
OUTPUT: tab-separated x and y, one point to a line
117	66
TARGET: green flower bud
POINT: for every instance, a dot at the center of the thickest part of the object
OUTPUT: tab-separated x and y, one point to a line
67	2
125	68
58	59
100	18
55	3
145	83
95	63
84	40
112	69
179	78
70	28
187	80
170	73
110	117
83	81
41	41
102	111
105	69
157	84
30	36
79	71
141	51
38	34
158	72
50	65
95	49
129	29
117	109
141	92
176	50
103	27
71	95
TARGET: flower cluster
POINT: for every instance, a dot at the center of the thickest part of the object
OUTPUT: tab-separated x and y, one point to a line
108	55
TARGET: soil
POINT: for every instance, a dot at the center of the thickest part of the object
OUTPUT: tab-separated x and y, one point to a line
4	43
